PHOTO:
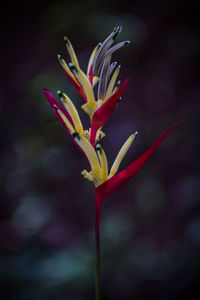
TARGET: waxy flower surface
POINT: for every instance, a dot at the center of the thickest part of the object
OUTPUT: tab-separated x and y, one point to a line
99	106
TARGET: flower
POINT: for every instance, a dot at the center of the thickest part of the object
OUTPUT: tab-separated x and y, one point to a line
104	73
101	72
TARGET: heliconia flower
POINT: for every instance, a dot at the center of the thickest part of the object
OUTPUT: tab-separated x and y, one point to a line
99	106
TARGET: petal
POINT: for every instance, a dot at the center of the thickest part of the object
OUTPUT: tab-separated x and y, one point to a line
103	162
114	183
71	109
71	52
54	102
121	154
89	151
74	81
85	83
112	80
116	47
103	48
77	87
111	68
102	114
103	78
92	57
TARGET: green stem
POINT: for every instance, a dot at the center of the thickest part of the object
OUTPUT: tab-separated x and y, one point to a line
97	284
98	205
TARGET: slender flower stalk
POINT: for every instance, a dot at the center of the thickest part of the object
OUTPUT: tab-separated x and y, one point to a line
99	106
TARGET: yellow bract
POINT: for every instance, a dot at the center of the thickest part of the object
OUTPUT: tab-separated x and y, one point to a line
112	83
85	83
68	104
71	52
89	151
94	52
65	120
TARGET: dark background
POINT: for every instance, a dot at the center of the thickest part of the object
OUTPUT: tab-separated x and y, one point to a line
151	227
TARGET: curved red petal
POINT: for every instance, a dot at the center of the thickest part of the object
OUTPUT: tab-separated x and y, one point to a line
102	114
77	87
114	183
53	101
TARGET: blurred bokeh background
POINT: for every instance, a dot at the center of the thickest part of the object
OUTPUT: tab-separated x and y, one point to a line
151	227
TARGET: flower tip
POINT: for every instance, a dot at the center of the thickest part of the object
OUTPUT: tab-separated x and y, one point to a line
174	126
126	43
61	60
73	68
47	93
66	39
116	30
75	135
67	42
98	45
177	124
134	135
127	81
98	148
118	83
59	93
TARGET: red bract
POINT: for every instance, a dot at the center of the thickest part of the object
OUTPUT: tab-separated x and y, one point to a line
102	114
77	87
114	183
53	101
